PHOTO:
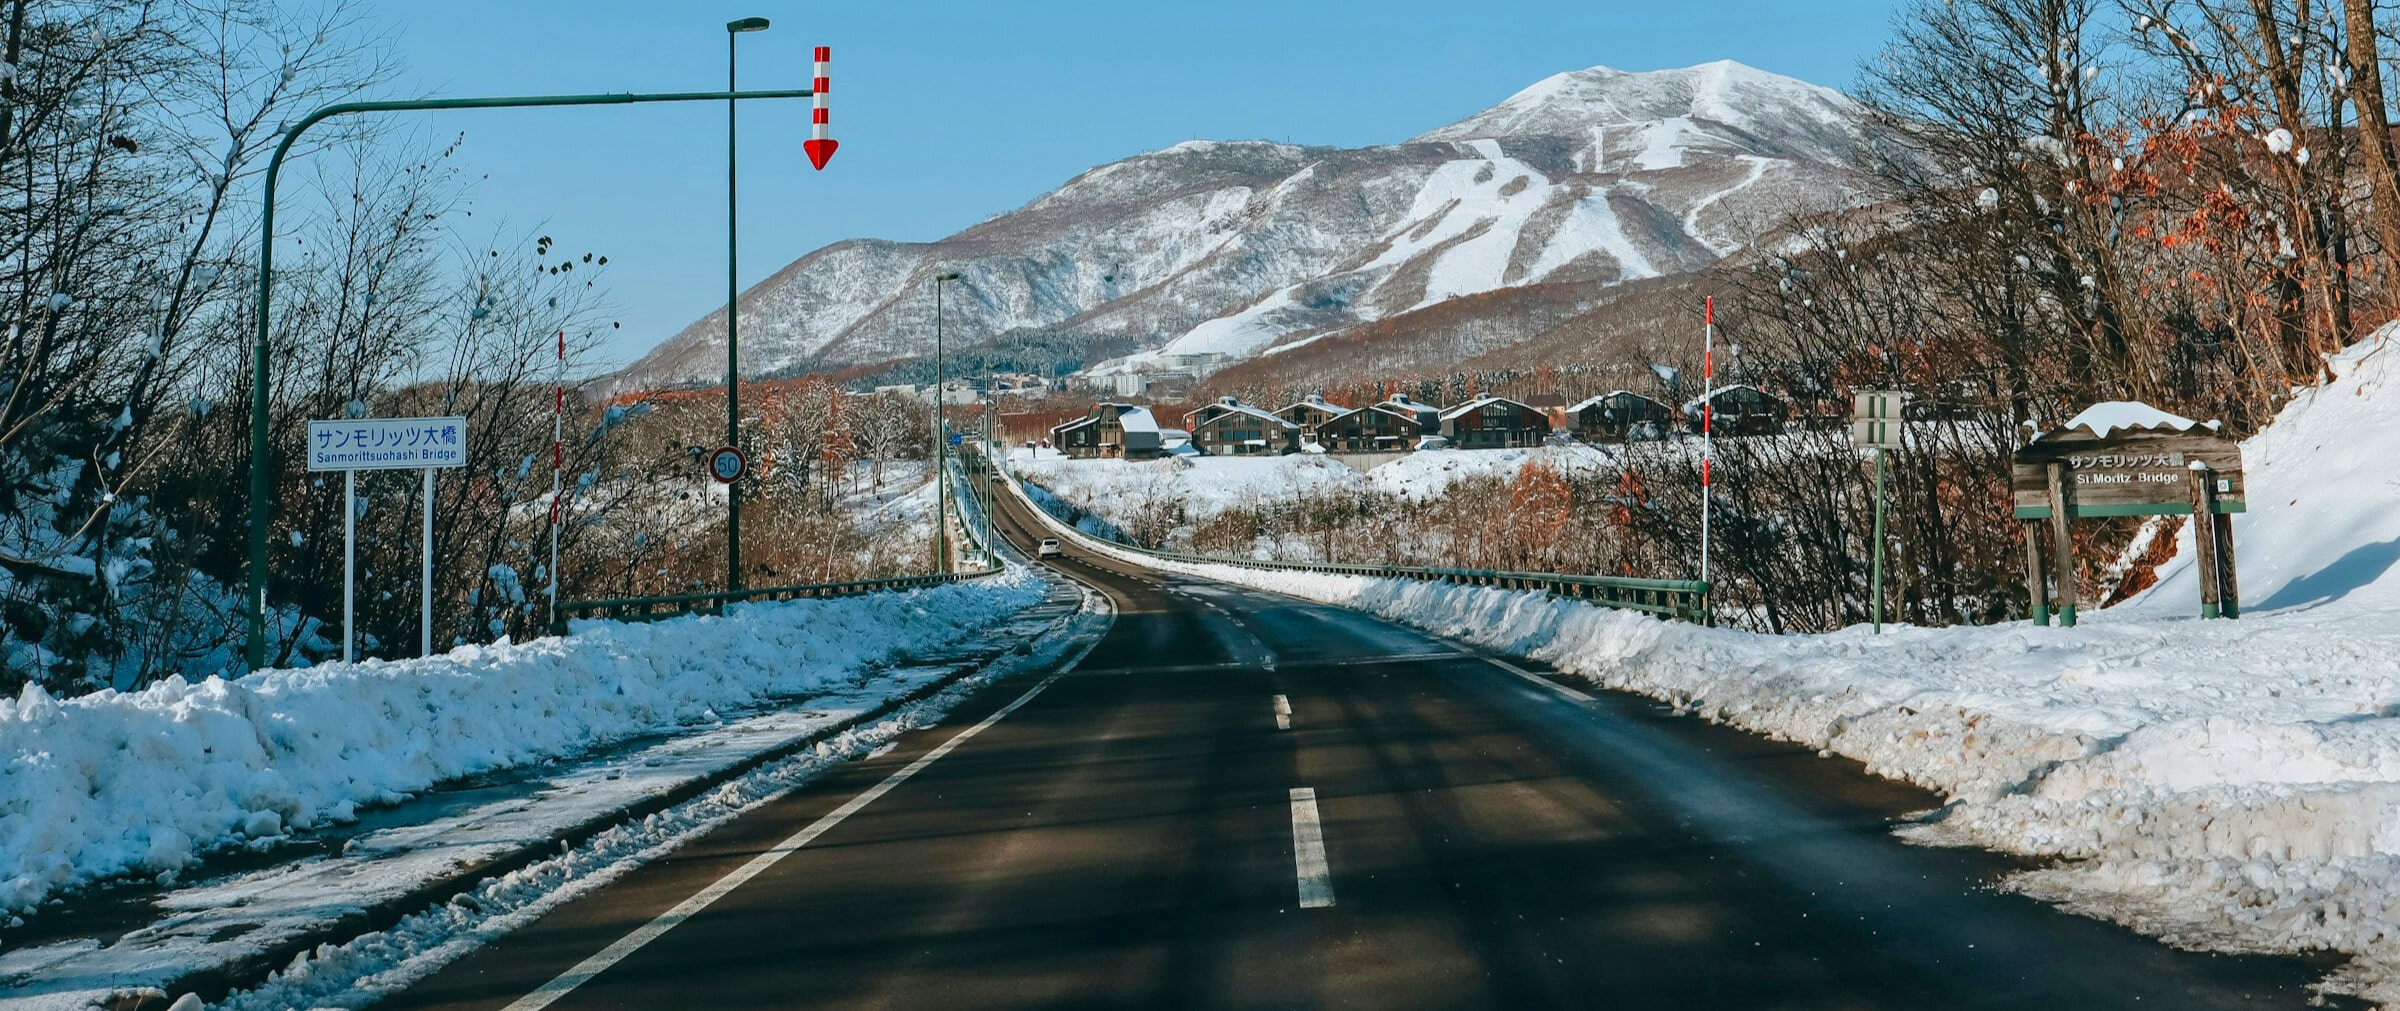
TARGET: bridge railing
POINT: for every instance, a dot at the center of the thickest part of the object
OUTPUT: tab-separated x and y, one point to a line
676	605
1680	599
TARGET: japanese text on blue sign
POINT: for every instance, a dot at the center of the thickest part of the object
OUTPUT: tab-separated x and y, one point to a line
387	443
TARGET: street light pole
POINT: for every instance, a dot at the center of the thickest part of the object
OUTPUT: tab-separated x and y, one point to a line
941	437
254	652
733	343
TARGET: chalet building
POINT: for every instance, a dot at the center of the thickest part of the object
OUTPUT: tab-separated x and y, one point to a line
1620	415
1227	428
1494	423
1111	431
1740	410
1394	426
1312	412
1428	417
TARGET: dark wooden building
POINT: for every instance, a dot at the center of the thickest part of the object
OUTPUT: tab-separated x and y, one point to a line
1227	428
1110	431
1311	412
1741	410
1494	423
1619	415
1383	428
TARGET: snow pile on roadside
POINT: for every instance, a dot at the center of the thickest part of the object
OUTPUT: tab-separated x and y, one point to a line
144	782
2228	784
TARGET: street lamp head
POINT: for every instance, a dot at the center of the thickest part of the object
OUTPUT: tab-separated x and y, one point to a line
747	25
946	276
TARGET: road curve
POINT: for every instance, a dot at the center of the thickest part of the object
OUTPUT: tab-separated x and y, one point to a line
1238	799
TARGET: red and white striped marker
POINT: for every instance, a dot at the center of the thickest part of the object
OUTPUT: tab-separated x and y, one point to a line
1708	407
820	143
558	466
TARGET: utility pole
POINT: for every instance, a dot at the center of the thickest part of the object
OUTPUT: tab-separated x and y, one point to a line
941	437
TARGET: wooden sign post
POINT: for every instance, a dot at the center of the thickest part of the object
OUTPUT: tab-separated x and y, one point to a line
2128	460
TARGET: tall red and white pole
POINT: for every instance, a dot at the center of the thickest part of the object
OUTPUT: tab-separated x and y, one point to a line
820	143
1708	406
558	466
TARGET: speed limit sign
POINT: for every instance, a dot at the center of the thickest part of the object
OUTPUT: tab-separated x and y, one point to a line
727	465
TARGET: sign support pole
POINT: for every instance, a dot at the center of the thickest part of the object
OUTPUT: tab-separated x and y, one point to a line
349	557
2204	539
2036	589
1877	575
2229	588
2063	550
425	577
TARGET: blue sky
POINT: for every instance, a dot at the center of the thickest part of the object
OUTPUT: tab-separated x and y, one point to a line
950	112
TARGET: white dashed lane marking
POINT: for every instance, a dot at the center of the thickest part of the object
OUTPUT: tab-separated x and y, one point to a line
1308	851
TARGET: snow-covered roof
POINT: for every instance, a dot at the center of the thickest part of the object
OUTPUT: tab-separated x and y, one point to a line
1481	402
1578	408
2102	418
1406	408
1317	401
1237	407
1137	419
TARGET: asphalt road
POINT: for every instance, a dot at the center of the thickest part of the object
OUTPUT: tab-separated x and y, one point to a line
1434	829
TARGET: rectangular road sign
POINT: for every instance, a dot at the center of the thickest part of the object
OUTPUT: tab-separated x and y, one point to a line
387	443
2133	474
1880	405
1880	434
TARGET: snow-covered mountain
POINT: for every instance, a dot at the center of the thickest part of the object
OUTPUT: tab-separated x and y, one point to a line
1217	251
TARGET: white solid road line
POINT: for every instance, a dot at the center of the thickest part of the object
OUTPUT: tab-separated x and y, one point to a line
1538	679
1283	713
1308	851
630	943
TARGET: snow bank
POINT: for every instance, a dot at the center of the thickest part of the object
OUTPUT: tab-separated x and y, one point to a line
144	782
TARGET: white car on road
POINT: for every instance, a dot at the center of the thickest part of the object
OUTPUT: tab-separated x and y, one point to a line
1049	548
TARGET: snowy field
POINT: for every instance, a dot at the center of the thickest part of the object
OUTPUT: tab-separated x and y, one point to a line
145	783
1208	485
2229	785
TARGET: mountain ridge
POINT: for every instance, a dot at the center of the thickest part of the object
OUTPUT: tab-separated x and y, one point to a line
1215	251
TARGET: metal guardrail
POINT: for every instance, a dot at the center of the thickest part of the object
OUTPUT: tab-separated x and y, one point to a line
677	605
1681	599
